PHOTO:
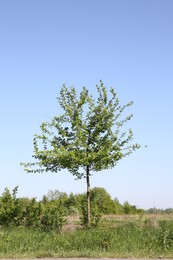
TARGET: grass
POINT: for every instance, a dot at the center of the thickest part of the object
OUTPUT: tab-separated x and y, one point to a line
121	238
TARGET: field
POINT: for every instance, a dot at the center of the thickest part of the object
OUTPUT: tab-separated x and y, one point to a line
146	236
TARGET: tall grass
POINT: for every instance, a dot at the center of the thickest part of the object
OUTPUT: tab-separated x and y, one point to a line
130	239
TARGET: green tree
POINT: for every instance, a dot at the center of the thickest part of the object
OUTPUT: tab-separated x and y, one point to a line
101	204
101	200
119	209
52	217
10	208
56	195
131	209
89	135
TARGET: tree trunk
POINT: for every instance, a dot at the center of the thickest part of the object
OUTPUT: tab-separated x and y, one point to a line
88	197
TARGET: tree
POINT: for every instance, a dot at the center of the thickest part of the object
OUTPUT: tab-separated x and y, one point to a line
56	195
89	136
131	209
102	201
10	208
101	204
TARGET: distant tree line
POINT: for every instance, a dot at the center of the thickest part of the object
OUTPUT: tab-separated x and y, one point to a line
50	212
159	211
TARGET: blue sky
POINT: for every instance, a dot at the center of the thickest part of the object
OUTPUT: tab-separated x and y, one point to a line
127	44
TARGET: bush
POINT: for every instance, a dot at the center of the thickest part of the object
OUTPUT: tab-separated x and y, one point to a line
14	211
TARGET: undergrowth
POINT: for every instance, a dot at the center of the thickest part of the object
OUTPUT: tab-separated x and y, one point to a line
126	240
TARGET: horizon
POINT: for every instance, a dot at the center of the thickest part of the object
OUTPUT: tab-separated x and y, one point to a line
127	45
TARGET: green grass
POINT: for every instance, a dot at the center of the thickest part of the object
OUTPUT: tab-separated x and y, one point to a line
130	239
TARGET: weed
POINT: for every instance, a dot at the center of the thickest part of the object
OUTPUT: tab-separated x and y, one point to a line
135	239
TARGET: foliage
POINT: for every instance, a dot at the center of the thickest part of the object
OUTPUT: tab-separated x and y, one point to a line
56	195
131	209
88	137
159	211
30	213
50	212
102	200
10	208
52	218
101	204
119	209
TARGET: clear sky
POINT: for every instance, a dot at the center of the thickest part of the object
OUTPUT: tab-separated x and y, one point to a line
126	43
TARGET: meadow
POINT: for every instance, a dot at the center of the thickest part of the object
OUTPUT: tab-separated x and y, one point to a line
133	236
